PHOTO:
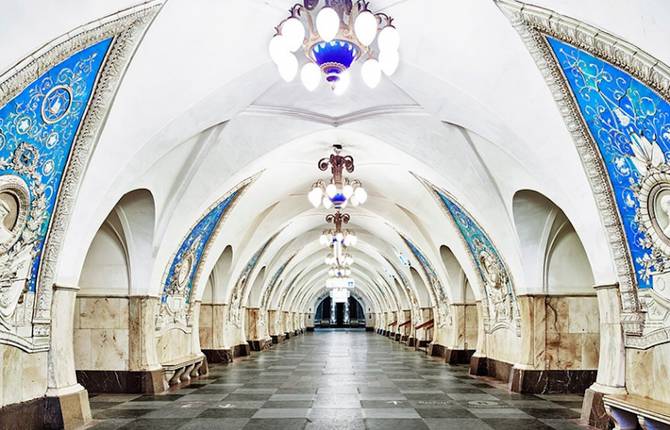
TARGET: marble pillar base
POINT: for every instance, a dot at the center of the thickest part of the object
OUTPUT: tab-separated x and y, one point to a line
241	350
484	366
593	410
369	329
310	328
121	381
436	350
278	338
218	355
411	341
551	381
397	337
260	344
458	356
68	411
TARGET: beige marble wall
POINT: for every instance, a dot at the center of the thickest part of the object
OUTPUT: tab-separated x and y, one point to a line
142	333
274	322
648	372
101	333
174	345
206	326
23	376
557	333
251	322
461	332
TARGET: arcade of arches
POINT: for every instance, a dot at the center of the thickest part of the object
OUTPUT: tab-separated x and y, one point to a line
159	253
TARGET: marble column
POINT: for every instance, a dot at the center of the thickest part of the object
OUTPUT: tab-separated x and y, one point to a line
611	377
67	403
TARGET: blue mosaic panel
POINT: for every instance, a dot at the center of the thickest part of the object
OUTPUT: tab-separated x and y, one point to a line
425	264
37	132
475	238
628	122
196	242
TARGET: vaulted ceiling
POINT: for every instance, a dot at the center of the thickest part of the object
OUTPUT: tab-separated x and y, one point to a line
202	108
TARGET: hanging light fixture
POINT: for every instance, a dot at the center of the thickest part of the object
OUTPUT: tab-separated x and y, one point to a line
334	34
340	191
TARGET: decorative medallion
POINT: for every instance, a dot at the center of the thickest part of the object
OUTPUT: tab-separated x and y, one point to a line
56	104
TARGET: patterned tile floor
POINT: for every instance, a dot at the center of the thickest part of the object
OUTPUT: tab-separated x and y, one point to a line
337	380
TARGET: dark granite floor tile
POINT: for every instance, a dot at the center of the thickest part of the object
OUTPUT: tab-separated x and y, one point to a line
448	412
516	424
154	424
215	424
227	413
158	397
551	413
121	413
276	424
395	424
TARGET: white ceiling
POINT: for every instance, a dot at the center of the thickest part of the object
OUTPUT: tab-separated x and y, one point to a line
201	108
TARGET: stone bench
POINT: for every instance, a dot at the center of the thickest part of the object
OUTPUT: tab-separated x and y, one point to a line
182	370
632	412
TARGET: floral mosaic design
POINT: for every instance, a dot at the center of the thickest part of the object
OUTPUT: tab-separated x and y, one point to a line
186	262
436	288
630	124
38	128
500	299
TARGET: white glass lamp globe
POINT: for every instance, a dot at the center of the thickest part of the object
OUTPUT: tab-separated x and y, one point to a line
310	75
327	203
354	200
371	73
315	196
388	39
348	190
278	48
294	33
365	27
288	67
331	190
327	23
361	195
388	60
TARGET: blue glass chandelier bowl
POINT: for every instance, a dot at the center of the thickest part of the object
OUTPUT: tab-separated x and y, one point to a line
334	57
338	200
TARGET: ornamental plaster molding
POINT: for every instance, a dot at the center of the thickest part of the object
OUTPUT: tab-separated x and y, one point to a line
126	28
645	315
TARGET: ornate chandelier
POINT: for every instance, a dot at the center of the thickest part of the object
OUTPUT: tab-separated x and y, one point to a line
340	191
334	34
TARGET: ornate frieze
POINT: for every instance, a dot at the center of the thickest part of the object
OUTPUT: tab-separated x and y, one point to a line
499	302
436	289
615	101
185	266
52	108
